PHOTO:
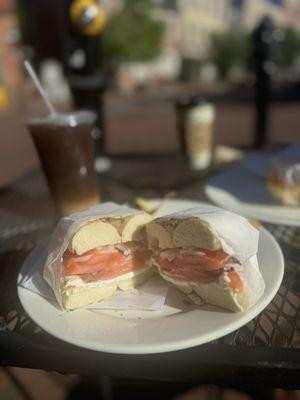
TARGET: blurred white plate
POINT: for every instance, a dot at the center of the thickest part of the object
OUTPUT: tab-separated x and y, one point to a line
257	163
177	326
238	190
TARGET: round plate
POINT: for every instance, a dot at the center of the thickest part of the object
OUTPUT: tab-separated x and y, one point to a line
177	326
241	191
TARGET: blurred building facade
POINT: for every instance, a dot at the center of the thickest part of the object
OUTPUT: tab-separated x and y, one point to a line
169	16
111	6
291	17
10	69
253	11
166	67
200	19
284	13
190	24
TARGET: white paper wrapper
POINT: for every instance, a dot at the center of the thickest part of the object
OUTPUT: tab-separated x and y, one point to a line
238	238
67	226
253	280
148	297
63	233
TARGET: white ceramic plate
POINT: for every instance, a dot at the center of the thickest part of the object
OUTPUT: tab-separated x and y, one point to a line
240	190
257	163
176	326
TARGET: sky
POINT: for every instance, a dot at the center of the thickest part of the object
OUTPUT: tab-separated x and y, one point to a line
238	3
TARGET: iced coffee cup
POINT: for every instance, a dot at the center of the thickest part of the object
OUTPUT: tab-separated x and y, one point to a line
199	135
66	151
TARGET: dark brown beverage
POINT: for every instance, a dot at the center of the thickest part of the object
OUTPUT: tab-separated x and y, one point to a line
66	151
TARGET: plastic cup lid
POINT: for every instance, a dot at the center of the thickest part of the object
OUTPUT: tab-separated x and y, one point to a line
65	119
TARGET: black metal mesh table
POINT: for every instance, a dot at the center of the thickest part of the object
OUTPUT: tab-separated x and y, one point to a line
266	350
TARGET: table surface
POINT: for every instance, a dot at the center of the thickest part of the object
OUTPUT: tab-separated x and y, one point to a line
265	350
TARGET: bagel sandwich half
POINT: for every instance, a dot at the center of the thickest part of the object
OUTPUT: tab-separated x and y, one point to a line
210	255
101	255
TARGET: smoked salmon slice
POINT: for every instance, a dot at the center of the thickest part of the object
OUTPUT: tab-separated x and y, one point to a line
198	265
106	262
235	282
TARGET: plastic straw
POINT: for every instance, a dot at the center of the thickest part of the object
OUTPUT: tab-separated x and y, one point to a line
39	87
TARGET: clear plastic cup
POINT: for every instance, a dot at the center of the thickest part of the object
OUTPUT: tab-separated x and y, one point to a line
66	151
199	131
